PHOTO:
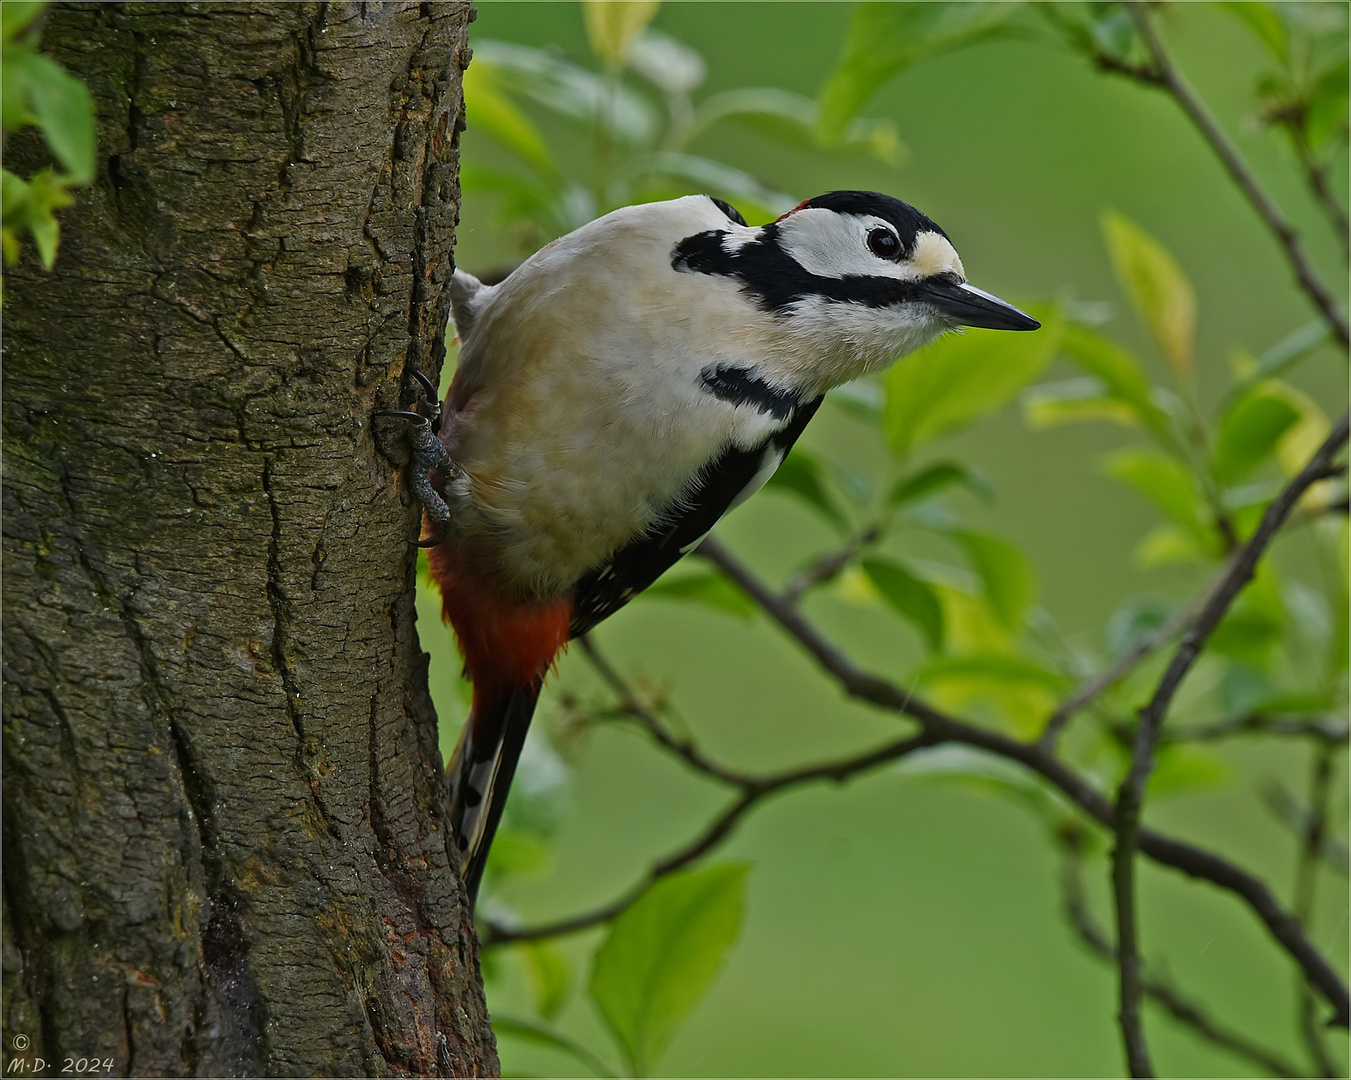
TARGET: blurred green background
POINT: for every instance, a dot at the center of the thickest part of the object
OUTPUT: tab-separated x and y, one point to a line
895	925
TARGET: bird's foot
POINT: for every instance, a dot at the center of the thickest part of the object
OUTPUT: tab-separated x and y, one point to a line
426	453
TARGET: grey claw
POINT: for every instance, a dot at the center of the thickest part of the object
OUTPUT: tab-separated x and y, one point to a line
427	454
433	404
441	532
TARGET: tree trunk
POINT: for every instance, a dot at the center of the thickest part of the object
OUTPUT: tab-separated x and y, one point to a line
225	849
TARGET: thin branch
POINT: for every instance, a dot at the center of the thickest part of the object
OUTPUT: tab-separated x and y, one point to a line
1175	1002
1306	887
1267	210
829	566
1316	174
1295	816
1193	861
1143	73
1323	728
632	707
756	790
1130	795
1088	690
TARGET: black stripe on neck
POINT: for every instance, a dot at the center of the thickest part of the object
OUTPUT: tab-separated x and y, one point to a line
741	386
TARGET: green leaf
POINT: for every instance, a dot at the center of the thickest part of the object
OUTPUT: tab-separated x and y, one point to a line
803	474
1119	371
704	587
671	66
910	597
1325	118
793	119
701	174
1301	441
1023	691
1254	626
1168	544
1010	585
612	26
939	477
883	39
14	72
1165	483
1134	621
662	955
64	109
970	626
998	668
570	90
543	1035
547	969
985	772
1265	22
1075	401
491	111
1249	432
1290	350
46	193
1156	285
1113	30
960	377
13	194
15	15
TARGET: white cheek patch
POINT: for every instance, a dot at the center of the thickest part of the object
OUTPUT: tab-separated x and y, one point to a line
834	245
934	254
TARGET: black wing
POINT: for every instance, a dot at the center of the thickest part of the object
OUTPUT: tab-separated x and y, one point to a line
606	589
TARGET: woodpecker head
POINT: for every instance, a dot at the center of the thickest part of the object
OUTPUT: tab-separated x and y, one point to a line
864	277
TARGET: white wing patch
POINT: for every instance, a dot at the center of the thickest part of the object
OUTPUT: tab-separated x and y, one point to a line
772	459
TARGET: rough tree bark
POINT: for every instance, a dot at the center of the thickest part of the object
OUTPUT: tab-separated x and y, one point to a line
224	843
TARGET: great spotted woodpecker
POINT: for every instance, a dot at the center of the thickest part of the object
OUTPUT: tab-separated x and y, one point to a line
622	390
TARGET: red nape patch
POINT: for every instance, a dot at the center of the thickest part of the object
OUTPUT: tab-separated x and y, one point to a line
506	644
795	209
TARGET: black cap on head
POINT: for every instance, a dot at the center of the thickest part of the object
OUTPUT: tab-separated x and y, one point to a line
907	221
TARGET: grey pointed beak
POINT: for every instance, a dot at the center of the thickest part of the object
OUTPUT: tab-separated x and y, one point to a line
969	306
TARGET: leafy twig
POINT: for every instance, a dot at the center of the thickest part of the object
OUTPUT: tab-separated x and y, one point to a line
830	564
1193	861
1177	1004
1267	210
1088	690
1130	795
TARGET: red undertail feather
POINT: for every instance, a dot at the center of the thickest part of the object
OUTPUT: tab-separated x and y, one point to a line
508	647
506	644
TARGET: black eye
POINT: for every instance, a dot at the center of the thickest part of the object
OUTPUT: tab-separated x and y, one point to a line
884	244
